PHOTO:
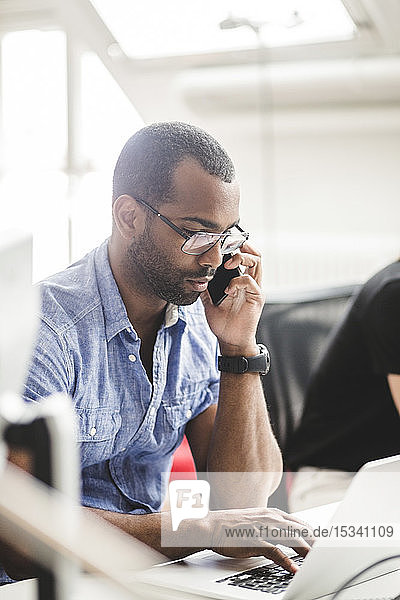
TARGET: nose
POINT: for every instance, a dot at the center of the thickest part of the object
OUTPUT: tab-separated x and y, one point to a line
212	258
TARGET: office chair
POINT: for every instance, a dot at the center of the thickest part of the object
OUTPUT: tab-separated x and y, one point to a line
296	328
183	466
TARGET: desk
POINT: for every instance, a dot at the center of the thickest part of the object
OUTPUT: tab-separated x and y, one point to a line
98	589
88	588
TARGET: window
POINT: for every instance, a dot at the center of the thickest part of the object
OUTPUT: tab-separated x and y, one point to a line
176	27
68	210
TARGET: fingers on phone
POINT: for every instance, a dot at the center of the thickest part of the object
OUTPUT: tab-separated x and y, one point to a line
249	261
246	284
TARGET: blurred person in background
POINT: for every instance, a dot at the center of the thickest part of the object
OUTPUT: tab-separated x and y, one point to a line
352	407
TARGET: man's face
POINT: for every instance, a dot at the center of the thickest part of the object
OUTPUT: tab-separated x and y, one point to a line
154	260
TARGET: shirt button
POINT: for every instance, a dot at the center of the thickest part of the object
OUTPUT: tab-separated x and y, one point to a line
132	358
188	413
92	432
152	411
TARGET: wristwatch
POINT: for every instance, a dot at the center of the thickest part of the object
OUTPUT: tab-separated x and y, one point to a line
246	364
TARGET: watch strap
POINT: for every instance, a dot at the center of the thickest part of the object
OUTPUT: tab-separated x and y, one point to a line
246	364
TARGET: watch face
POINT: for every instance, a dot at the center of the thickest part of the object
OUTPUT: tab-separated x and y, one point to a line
261	363
265	358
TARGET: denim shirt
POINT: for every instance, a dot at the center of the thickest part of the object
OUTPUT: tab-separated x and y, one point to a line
128	428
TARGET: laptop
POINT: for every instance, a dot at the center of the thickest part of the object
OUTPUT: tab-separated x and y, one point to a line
373	499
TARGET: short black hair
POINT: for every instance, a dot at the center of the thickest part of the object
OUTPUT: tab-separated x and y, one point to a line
149	158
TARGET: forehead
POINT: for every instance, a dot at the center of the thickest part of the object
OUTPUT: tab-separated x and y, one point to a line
198	194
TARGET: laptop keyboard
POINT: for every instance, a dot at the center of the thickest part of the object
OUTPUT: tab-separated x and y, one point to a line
269	578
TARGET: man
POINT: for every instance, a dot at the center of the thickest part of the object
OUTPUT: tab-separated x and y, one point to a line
352	406
126	335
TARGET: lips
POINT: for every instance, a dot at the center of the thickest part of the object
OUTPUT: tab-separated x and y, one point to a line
199	285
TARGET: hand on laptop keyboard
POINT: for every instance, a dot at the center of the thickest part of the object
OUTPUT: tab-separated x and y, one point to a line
266	578
256	531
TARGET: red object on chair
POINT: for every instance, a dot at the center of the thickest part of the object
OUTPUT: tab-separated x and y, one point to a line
183	464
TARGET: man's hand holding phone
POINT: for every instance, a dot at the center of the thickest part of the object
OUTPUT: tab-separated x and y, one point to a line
234	301
221	279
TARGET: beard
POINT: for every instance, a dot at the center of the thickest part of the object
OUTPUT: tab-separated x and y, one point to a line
155	273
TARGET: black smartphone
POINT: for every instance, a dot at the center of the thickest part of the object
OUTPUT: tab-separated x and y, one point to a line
220	280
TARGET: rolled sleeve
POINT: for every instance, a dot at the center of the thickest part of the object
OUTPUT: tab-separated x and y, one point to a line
50	367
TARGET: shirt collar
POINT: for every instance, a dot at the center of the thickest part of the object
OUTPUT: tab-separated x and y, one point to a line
115	315
171	315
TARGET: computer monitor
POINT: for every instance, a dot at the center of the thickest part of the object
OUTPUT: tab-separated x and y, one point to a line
19	305
44	430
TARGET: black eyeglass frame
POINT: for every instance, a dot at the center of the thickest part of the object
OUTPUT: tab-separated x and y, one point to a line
222	236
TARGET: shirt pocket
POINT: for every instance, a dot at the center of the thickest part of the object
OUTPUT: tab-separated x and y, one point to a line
97	429
182	410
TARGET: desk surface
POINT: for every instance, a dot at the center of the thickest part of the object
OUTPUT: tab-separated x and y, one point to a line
87	587
92	587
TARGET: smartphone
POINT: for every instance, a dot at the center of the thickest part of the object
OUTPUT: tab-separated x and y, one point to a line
220	281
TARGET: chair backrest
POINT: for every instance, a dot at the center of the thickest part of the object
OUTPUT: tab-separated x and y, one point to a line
296	330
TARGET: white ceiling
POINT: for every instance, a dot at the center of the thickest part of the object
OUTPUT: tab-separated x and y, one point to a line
307	73
377	22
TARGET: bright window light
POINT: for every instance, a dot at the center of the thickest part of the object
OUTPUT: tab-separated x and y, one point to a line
33	186
158	28
34	99
66	213
108	117
107	120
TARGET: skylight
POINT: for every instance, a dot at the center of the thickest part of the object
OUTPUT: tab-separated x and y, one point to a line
157	28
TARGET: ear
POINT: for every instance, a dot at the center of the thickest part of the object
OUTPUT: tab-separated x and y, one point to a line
128	216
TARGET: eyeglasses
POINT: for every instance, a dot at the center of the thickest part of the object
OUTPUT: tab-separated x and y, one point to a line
200	242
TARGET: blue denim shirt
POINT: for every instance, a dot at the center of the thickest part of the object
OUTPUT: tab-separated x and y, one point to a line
128	427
